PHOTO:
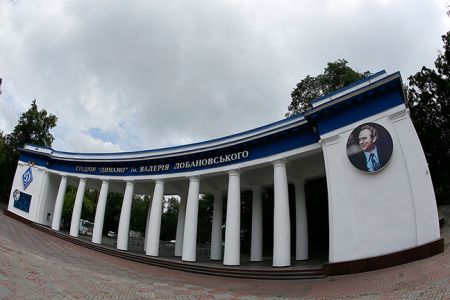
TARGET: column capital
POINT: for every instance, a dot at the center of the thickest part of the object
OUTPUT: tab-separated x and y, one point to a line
159	181
234	172
217	193
128	182
330	140
279	162
194	178
256	188
299	180
400	115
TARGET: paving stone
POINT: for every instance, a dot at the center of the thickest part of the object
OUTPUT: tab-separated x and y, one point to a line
34	265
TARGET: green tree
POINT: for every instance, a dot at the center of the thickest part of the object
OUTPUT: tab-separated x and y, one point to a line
336	75
139	209
429	100
112	212
88	208
33	128
89	205
69	200
7	167
169	219
205	213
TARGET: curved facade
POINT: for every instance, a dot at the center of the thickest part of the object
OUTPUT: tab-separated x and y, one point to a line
378	203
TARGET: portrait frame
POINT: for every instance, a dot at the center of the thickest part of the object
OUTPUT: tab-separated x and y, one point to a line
369	138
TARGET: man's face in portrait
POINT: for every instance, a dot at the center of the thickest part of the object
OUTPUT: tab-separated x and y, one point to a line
366	142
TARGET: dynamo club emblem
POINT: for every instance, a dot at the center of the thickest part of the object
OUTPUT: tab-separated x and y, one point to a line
27	178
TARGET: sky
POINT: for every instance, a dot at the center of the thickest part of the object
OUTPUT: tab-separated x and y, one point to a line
137	75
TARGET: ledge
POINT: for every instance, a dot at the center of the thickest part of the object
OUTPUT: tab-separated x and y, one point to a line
384	261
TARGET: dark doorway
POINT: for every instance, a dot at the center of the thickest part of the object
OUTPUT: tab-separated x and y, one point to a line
267	202
317	210
268	207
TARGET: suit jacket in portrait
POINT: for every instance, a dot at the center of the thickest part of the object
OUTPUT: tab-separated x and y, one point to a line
359	159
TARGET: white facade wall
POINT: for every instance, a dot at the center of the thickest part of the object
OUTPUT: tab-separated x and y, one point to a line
35	189
385	212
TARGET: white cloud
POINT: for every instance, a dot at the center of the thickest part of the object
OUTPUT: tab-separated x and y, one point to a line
78	141
150	74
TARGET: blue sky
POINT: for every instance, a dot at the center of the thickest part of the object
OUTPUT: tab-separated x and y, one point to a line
152	74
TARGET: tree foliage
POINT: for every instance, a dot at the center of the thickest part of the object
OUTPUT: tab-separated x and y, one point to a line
336	75
88	208
169	219
8	163
112	212
205	214
139	209
33	127
429	101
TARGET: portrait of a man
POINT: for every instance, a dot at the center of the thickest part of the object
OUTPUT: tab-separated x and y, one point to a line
369	147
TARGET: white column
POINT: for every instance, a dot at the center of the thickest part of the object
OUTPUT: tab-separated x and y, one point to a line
281	220
190	226
301	247
150	202
100	213
233	223
180	226
77	206
57	212
124	221
154	224
42	202
216	231
257	226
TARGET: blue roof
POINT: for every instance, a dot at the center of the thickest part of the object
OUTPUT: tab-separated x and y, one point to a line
347	87
254	130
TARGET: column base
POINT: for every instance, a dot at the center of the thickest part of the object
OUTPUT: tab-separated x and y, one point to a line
301	259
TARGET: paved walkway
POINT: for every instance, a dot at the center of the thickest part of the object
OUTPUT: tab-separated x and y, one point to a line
34	265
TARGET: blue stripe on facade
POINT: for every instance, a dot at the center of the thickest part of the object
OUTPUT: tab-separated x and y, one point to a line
360	107
294	138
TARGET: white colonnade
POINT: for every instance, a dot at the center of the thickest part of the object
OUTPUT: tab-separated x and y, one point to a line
186	232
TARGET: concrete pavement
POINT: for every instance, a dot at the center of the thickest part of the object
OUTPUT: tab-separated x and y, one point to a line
35	265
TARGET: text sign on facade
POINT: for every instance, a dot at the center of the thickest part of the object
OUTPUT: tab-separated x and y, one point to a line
179	166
